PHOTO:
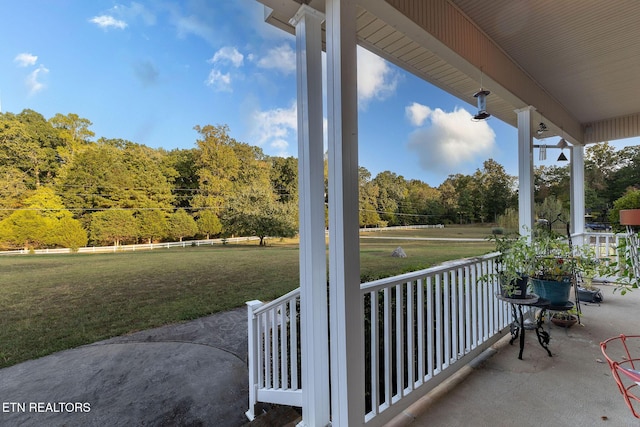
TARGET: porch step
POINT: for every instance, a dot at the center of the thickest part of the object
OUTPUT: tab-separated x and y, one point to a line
276	416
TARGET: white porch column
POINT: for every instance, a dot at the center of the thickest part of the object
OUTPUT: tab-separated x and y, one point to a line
346	306
525	170
313	260
577	192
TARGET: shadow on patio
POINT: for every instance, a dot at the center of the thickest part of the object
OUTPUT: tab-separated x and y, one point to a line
573	388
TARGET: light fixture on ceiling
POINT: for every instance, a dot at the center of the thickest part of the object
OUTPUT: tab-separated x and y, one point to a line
562	144
542	128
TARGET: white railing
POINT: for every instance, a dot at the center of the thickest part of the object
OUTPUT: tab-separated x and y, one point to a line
133	248
420	328
274	352
605	244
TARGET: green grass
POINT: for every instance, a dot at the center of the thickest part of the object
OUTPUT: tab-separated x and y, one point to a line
55	302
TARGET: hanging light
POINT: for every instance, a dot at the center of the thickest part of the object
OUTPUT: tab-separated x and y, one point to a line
542	128
562	144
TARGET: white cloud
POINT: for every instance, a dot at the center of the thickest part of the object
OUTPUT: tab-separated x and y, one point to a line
192	25
418	113
219	81
136	10
33	80
281	58
106	21
376	79
228	54
272	129
451	140
26	59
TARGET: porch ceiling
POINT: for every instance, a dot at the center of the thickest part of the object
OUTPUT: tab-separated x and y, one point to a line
576	61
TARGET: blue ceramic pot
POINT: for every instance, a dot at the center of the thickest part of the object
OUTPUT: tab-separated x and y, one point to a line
557	292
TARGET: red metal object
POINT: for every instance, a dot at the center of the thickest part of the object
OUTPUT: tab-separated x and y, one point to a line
624	364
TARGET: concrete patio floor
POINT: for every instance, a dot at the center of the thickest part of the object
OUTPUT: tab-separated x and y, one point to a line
573	388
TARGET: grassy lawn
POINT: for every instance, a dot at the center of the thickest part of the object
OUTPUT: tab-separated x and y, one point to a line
54	302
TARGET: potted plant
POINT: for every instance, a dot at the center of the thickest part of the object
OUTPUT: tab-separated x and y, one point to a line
589	266
513	264
565	319
553	267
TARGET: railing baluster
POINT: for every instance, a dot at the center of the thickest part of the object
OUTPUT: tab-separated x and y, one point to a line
438	325
374	348
293	321
399	344
454	316
410	337
284	340
430	327
388	380
420	307
467	311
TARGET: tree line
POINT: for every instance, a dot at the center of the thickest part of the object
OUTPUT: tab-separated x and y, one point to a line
61	188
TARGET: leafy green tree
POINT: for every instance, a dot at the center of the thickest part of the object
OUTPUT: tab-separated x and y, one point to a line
368	199
185	184
208	223
43	222
630	200
550	208
28	142
463	192
392	191
152	224
552	181
627	175
74	132
449	201
182	225
117	174
25	228
12	189
256	213
218	167
422	204
284	178
68	233
113	225
497	190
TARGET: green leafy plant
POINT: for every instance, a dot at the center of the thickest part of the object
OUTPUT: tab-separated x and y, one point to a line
514	261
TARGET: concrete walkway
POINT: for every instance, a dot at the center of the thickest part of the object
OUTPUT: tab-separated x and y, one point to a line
189	374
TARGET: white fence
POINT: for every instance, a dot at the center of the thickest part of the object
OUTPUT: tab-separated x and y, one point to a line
402	227
133	248
419	329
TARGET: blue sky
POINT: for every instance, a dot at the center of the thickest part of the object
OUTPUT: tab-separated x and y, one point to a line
149	71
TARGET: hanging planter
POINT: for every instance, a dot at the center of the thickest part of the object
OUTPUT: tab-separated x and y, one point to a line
630	217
